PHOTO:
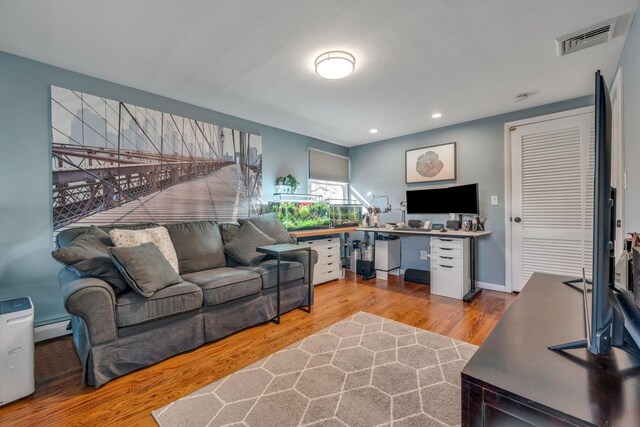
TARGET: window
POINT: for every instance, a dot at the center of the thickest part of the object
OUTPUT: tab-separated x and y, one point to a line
329	175
336	192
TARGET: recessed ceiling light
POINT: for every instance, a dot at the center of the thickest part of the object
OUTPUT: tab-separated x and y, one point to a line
436	115
373	131
335	64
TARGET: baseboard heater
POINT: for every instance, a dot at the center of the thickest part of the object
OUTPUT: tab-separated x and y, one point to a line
417	276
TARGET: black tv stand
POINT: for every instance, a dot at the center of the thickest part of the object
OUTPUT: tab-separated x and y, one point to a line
514	378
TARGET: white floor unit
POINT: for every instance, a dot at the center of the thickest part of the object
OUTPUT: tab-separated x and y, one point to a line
16	350
328	266
387	258
450	267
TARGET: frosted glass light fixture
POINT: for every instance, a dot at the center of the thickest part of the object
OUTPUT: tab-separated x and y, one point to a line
335	64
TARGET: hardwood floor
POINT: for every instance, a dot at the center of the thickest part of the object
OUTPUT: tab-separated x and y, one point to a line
60	398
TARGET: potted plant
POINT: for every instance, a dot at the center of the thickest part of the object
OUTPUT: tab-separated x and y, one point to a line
281	186
292	182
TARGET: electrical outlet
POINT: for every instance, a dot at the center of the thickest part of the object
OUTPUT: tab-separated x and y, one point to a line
424	254
494	200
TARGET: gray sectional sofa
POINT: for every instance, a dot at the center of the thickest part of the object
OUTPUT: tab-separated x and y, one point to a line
117	334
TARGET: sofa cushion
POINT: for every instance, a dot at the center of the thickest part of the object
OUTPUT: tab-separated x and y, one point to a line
270	225
243	247
87	254
157	235
144	267
132	308
289	271
225	284
198	245
65	237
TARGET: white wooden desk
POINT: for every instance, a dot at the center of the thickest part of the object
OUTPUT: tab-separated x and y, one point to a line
451	233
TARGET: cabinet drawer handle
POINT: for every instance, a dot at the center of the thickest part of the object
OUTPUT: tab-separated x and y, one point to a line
329	256
329	263
446	249
446	266
446	240
446	257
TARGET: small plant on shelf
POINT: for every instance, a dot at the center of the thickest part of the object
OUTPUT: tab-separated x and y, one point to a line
287	184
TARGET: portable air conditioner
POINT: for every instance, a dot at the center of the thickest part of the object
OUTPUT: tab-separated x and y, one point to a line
16	350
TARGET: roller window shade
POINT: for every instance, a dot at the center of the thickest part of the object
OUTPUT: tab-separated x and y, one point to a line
328	167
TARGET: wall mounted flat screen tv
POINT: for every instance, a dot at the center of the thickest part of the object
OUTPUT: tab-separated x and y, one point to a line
460	199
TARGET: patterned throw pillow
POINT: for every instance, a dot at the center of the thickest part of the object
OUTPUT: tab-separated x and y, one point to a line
157	235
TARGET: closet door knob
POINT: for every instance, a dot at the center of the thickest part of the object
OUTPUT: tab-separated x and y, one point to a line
517	219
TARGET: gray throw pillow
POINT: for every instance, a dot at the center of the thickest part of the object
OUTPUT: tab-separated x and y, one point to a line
198	245
243	247
270	225
145	268
229	231
88	255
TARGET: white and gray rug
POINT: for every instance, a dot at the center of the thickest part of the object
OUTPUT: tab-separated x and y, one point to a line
362	371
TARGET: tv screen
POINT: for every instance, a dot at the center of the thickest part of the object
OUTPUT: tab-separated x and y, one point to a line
461	199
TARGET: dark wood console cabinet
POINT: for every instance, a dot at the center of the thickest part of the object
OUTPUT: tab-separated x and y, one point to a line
514	380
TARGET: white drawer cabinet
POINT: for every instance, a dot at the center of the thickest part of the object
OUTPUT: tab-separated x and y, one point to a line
450	267
328	266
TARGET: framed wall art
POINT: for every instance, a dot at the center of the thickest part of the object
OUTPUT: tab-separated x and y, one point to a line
114	162
428	164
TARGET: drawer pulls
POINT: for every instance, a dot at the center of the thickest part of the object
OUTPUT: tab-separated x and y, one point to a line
446	257
446	266
446	249
446	240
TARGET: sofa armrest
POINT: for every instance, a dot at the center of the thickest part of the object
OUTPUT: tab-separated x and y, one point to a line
303	258
94	301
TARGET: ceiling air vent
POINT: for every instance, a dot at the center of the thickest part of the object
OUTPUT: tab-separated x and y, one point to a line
588	37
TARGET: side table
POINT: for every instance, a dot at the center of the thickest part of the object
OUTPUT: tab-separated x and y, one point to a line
278	251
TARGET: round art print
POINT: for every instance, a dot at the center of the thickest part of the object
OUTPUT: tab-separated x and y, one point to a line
429	164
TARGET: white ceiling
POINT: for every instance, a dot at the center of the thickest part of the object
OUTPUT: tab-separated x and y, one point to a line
254	58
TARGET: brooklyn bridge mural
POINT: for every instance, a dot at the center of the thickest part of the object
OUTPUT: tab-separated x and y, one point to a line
114	162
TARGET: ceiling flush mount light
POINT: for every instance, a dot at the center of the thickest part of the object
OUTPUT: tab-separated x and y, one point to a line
335	64
373	131
436	115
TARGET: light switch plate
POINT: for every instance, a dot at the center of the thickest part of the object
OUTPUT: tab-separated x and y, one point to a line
494	200
424	254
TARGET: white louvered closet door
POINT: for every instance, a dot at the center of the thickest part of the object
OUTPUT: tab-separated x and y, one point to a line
552	197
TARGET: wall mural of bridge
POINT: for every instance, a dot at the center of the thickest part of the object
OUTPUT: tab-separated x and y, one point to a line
114	162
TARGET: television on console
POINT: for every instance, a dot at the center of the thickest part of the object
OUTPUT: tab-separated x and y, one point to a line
615	315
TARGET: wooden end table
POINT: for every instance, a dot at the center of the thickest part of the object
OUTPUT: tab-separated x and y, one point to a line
278	251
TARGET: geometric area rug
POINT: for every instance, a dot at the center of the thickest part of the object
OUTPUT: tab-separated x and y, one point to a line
364	370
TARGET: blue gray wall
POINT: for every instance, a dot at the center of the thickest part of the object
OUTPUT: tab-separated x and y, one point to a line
630	63
379	168
26	267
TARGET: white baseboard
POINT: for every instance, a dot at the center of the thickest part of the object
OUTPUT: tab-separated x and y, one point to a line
53	330
491	286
